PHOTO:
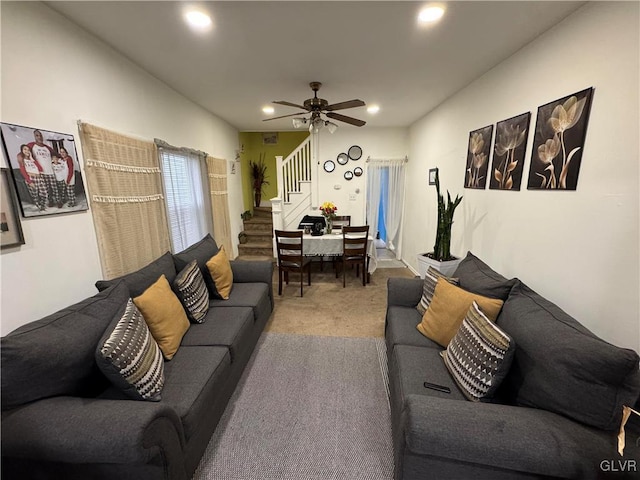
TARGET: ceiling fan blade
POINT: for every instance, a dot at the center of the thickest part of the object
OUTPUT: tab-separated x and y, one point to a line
288	104
344	118
343	105
284	116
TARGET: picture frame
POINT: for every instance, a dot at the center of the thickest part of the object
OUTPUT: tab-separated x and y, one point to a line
558	144
509	150
45	170
478	152
270	138
432	176
10	227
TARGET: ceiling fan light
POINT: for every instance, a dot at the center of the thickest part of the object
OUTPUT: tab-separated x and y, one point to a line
332	127
299	122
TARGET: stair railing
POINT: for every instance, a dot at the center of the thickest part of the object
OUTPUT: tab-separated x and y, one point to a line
294	169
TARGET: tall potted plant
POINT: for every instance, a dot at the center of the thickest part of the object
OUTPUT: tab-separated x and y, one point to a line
258	178
441	258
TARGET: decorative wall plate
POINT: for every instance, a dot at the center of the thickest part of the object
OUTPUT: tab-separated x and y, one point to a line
355	152
343	158
348	175
357	171
329	166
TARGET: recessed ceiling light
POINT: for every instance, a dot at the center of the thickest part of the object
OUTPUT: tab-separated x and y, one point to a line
268	110
198	20
373	109
430	14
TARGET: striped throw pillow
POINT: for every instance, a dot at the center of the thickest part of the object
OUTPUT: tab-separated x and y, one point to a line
479	356
192	291
430	281
129	356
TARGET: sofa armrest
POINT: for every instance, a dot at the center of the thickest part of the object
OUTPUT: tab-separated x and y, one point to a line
507	437
252	271
89	430
404	292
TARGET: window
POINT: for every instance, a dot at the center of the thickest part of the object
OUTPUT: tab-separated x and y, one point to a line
183	185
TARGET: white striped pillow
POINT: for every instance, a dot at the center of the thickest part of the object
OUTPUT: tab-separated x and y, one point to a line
129	356
479	356
192	291
430	280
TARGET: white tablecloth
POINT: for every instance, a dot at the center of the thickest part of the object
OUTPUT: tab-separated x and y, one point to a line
331	245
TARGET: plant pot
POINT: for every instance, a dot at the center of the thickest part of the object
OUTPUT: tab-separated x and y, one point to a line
446	268
257	198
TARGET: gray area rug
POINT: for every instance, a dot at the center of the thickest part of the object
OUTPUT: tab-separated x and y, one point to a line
306	408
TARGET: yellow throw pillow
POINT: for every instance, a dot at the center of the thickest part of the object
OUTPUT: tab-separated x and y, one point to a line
220	270
164	315
446	311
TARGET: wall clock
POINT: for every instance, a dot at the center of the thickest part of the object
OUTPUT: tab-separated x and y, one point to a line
342	159
355	152
329	166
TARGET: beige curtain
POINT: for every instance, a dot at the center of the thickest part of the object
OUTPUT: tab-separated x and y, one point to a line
127	202
217	173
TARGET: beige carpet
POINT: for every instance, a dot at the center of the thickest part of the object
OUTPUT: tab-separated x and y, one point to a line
328	309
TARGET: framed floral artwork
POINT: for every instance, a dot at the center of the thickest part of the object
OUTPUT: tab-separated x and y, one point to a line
45	170
509	152
478	153
561	128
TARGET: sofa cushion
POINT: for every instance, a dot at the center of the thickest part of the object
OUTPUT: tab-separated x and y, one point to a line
476	276
192	292
560	366
55	355
447	310
229	327
220	271
430	280
201	252
195	379
479	356
164	315
141	279
129	356
254	295
401	329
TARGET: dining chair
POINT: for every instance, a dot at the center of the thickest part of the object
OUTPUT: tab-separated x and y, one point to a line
338	222
354	251
290	258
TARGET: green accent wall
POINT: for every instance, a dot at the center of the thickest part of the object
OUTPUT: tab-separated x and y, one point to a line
251	147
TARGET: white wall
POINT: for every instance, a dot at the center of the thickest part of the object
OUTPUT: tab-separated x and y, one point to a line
375	143
579	249
53	74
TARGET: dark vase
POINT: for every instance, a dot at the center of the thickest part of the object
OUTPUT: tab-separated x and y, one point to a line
258	198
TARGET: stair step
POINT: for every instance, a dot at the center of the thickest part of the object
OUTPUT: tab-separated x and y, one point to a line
259	220
262	212
259	236
255	257
257	245
255	249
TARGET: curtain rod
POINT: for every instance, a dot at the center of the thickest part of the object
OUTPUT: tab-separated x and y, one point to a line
404	159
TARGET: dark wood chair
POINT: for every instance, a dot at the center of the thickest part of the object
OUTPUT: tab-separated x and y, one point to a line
354	251
290	258
339	221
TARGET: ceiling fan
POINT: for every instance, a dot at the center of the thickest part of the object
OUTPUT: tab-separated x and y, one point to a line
319	106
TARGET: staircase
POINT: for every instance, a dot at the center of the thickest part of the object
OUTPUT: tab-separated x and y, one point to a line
259	232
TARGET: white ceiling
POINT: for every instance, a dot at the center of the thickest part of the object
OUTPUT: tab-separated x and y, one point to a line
262	51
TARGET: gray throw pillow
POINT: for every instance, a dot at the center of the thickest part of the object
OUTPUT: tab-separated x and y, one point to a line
192	292
479	356
141	279
477	277
55	355
561	366
129	356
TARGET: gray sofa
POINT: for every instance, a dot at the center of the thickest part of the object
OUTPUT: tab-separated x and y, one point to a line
61	418
558	409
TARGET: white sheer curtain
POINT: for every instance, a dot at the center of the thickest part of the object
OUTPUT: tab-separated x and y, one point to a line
183	184
394	200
